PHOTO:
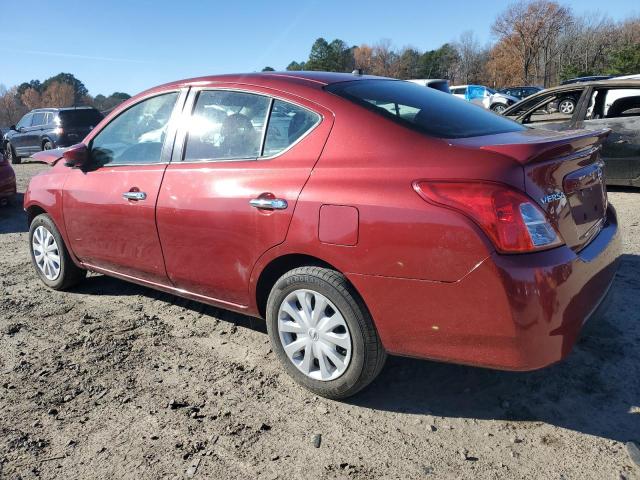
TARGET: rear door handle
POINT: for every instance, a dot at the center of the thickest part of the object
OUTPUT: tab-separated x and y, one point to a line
269	203
134	195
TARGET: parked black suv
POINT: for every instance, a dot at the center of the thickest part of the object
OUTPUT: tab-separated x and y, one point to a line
47	128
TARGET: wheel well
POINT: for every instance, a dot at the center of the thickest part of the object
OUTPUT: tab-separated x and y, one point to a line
32	212
278	267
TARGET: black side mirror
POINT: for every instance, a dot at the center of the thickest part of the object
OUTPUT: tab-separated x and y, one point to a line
76	156
13	127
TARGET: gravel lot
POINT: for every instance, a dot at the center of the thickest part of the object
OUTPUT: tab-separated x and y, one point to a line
113	380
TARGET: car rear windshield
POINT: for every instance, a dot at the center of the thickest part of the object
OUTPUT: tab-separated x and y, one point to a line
79	118
424	109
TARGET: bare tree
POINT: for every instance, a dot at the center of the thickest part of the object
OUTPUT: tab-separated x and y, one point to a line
471	58
31	98
58	95
10	108
384	59
363	56
530	29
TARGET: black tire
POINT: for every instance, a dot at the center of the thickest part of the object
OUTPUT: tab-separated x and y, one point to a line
498	107
47	145
568	104
70	274
11	154
368	355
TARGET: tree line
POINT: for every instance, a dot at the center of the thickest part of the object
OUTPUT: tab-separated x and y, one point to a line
537	42
62	90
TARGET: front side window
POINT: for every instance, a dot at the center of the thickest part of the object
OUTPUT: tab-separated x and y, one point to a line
423	109
226	125
25	121
135	136
38	119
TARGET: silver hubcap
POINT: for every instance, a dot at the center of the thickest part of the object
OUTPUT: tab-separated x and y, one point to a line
46	253
314	335
499	108
566	106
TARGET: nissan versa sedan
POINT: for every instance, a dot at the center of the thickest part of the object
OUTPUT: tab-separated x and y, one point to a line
360	216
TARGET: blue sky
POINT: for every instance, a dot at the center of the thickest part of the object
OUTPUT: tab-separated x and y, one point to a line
132	45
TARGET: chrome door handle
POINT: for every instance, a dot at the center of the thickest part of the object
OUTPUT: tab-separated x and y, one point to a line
269	203
134	196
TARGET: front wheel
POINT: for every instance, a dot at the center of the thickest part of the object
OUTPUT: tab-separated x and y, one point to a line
322	332
11	154
47	145
567	106
50	256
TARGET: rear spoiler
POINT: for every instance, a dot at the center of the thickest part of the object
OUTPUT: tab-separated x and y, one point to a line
50	157
552	146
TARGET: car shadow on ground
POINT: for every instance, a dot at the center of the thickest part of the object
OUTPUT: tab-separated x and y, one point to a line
12	217
593	391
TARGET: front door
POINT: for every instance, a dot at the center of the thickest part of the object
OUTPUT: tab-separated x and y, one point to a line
18	139
109	206
231	189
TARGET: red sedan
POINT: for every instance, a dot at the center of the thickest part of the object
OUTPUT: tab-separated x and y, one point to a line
7	181
361	216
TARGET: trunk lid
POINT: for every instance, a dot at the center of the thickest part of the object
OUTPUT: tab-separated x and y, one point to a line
563	174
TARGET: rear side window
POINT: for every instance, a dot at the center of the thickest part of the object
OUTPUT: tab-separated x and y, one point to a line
424	109
228	125
80	118
287	124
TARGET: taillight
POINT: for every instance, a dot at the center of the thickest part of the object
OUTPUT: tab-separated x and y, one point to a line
511	220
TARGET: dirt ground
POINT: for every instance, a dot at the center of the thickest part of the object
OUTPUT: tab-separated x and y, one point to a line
113	380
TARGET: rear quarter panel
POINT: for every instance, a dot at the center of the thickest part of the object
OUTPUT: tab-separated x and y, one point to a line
370	163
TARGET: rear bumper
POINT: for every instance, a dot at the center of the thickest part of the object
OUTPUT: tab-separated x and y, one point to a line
512	312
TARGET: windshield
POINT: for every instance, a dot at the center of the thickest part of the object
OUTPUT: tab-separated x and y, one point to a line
427	110
79	118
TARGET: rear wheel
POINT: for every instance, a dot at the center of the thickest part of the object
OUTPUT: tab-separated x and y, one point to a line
11	154
498	107
50	256
322	332
47	145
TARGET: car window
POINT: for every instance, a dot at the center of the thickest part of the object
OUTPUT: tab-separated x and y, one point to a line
80	118
38	119
613	103
135	136
48	119
25	121
423	109
554	107
287	123
226	125
459	91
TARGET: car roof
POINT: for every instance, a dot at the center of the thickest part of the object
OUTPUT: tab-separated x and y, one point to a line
60	109
310	79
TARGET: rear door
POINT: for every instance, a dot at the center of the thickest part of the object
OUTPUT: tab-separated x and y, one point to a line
109	206
619	110
229	193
